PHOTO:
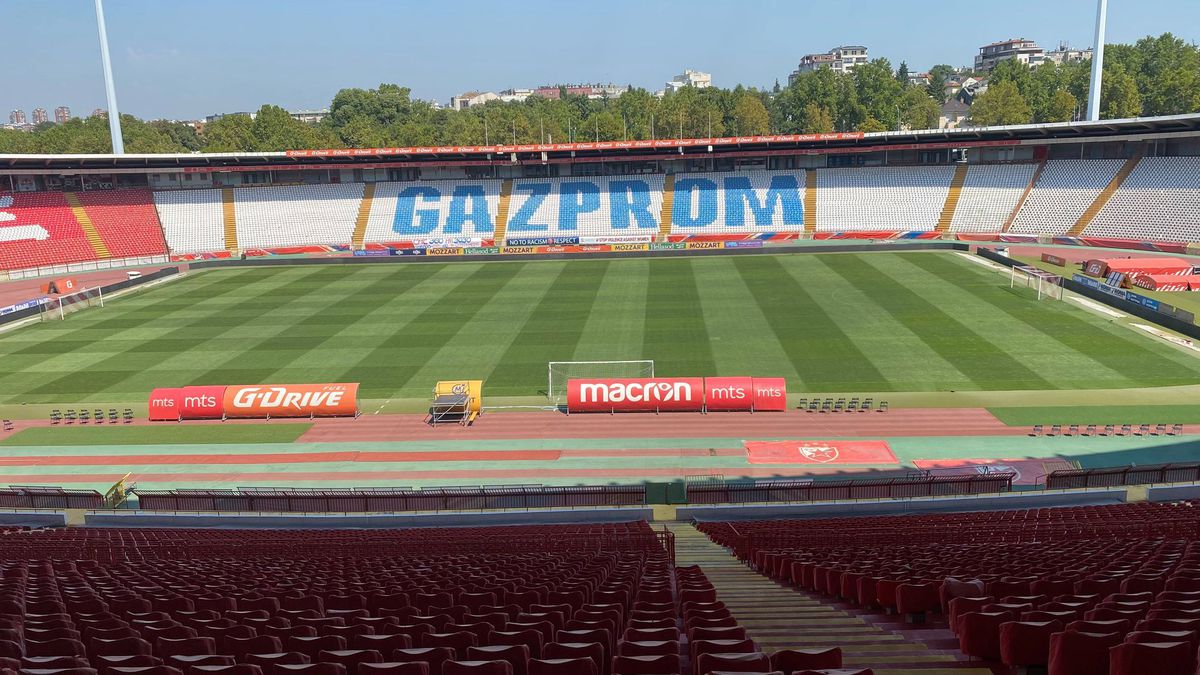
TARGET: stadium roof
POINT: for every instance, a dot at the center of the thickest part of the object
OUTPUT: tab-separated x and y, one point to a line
610	151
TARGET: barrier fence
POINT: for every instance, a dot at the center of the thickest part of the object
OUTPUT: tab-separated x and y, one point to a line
1067	479
18	497
866	488
366	500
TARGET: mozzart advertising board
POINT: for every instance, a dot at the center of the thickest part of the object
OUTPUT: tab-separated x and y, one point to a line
254	401
681	394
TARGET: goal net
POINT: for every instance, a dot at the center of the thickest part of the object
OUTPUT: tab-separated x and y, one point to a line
60	306
561	371
1047	284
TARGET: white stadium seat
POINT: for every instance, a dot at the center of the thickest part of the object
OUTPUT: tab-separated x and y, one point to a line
192	220
882	198
1159	201
1066	188
296	215
989	195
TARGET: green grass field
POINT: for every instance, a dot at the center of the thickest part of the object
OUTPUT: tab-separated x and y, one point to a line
879	322
210	434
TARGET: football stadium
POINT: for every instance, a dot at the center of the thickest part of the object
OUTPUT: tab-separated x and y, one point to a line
908	402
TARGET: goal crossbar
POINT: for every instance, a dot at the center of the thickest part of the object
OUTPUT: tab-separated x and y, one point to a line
558	372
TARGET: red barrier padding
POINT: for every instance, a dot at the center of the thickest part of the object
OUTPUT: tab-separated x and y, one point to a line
770	394
166	404
292	400
203	403
728	393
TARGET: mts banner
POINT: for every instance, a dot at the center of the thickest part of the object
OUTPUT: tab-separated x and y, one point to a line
254	401
682	394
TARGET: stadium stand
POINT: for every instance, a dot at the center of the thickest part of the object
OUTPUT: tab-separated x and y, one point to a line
1159	201
126	220
1012	586
576	599
295	215
39	228
989	195
192	220
721	202
421	210
882	198
1066	188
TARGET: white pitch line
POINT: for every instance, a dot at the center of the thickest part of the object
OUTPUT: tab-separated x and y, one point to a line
1096	307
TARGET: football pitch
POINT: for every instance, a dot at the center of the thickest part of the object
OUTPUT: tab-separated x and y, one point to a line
841	322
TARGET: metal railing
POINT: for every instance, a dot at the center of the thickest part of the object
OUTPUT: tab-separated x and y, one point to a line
865	488
1067	479
42	497
368	500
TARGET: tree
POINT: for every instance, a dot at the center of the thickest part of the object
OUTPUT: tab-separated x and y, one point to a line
1061	108
1001	104
918	110
1120	98
939	75
902	73
817	120
230	133
871	125
878	91
750	116
776	88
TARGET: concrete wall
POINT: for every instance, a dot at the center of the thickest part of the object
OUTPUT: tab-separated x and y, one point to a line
318	521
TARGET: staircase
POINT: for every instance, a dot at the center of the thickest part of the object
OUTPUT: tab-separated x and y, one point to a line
85	223
364	214
1037	175
1106	194
668	207
230	218
502	212
777	617
956	185
810	202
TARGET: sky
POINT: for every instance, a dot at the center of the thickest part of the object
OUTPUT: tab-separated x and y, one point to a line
183	60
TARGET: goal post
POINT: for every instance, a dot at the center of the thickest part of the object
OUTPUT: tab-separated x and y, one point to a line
561	371
1047	284
60	306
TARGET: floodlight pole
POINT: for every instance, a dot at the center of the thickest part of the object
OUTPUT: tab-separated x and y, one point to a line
114	115
1097	62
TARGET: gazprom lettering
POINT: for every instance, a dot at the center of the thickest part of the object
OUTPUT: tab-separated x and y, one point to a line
699	202
419	211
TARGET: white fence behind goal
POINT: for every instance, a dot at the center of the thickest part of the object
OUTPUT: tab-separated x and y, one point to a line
561	371
60	306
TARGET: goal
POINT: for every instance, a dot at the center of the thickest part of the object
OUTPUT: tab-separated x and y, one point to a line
59	307
561	371
1047	284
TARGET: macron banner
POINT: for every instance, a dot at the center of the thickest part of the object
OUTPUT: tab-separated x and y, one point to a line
292	400
636	394
678	394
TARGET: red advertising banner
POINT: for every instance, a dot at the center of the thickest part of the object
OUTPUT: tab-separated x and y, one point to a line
819	452
292	400
770	394
166	404
728	393
636	394
202	403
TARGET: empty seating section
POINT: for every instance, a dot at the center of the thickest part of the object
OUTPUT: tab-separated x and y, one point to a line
1066	188
1074	589
532	600
585	206
736	202
1159	201
38	228
908	199
296	215
423	210
989	195
126	221
192	220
